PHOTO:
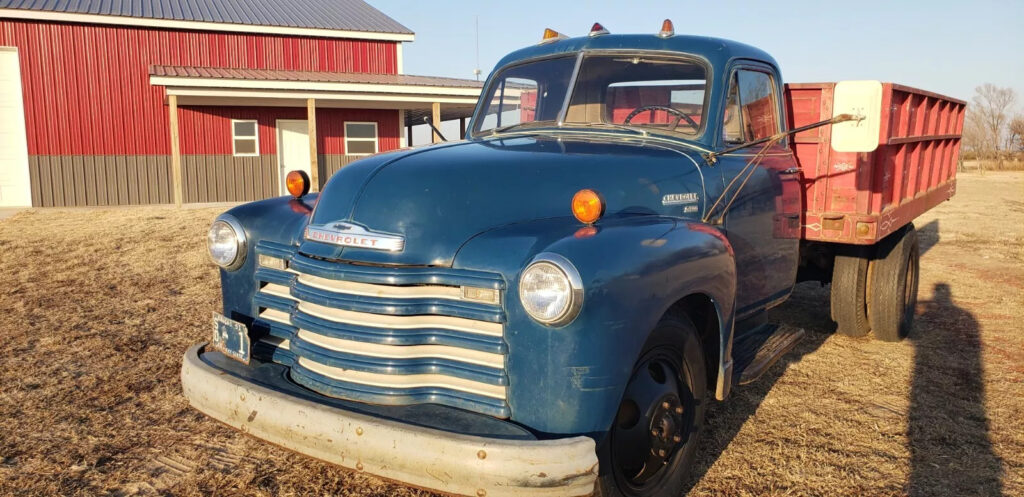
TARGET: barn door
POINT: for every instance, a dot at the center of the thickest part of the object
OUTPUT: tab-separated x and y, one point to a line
15	188
292	149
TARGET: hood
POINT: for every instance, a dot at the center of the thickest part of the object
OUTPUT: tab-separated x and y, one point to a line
436	198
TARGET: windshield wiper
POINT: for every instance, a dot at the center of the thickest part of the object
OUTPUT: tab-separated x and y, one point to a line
623	127
645	133
502	129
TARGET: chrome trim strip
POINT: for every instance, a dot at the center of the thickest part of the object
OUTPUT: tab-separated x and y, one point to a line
277	291
276	316
403	351
401	322
373	290
278	342
403	380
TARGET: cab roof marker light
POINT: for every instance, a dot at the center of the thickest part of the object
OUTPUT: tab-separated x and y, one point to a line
597	30
667	30
551	35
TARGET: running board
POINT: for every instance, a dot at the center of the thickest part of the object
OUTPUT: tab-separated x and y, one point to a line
756	350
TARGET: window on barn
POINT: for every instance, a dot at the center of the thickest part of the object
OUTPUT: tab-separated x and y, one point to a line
245	139
360	138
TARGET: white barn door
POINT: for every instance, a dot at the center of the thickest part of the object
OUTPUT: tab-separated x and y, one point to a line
292	148
15	189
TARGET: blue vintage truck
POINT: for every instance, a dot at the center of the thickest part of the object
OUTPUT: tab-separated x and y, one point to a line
546	307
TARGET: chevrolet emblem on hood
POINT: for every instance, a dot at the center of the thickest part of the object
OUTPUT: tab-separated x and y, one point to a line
353	235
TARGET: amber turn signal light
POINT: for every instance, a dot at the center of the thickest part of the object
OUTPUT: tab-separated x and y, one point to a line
297	183
587	206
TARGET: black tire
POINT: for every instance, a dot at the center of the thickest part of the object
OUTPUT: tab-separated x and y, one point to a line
849	291
893	281
674	348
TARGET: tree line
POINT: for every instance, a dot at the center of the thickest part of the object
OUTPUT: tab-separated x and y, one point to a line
992	132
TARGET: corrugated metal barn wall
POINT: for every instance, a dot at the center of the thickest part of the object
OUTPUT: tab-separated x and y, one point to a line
98	132
212	174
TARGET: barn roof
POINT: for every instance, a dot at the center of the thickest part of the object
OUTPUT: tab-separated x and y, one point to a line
334	18
224	73
414	95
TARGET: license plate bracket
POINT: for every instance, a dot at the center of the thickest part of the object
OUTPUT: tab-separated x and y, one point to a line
231	338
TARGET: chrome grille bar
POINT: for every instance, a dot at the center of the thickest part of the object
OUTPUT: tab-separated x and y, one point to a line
386	335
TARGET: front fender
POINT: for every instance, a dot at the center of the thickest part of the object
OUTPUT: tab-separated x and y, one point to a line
569	380
280	220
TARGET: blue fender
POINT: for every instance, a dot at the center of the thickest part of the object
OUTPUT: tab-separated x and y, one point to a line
570	379
281	220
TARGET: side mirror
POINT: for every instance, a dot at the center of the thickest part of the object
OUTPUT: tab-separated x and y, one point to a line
859	98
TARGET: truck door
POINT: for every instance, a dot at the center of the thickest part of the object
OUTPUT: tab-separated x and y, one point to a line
763	221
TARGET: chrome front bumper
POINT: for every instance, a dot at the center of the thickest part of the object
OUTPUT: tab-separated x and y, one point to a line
422	457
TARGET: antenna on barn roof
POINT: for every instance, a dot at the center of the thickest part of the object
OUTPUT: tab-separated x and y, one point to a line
476	72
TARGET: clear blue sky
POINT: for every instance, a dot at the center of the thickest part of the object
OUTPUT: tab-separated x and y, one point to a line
945	46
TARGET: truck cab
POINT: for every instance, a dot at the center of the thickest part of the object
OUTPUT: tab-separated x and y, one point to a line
544	308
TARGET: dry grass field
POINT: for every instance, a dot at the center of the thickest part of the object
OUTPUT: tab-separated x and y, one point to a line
97	306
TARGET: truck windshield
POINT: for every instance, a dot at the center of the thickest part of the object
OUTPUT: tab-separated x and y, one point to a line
660	92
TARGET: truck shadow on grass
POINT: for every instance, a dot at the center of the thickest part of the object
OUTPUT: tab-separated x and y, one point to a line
948	428
950	449
928	236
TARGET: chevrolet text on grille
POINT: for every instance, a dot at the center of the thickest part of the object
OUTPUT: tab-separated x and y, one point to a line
353	235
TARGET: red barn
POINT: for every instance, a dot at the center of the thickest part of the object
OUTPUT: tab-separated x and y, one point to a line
162	101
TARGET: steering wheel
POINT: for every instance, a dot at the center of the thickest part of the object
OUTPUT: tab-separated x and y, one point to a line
678	113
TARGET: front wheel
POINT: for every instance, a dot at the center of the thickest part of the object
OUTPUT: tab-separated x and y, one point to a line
650	447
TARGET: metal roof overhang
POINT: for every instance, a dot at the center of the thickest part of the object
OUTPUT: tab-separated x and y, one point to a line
416	100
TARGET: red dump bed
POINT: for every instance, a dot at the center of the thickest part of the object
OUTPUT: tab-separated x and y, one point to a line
862	197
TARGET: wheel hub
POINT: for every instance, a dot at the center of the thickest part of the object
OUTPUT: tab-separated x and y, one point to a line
666	425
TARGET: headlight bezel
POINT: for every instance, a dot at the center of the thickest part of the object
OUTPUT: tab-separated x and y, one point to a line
575	299
241	243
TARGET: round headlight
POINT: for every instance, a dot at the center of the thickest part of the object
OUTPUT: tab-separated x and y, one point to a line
551	290
226	242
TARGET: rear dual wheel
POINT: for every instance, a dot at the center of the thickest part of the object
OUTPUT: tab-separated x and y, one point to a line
651	445
894	279
874	289
849	291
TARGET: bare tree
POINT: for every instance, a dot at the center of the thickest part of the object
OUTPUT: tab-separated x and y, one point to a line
1016	132
974	136
992	105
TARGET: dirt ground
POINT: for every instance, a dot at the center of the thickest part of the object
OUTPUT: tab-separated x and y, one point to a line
97	306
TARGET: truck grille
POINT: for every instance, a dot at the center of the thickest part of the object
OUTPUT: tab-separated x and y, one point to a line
383	335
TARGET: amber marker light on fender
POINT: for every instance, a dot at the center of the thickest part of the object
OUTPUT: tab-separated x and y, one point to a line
587	206
297	183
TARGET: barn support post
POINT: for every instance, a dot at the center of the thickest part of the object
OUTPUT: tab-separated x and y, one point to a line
408	135
172	110
401	129
314	163
462	128
435	118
